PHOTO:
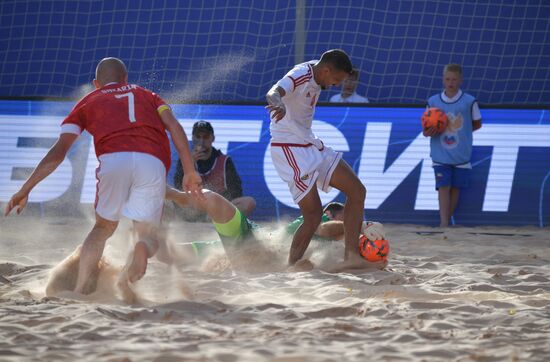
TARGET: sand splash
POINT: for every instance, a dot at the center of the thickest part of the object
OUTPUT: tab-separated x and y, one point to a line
468	294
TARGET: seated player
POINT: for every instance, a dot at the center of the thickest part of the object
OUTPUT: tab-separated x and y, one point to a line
236	232
238	236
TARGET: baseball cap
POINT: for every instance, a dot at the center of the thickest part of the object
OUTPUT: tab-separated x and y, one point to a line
202	126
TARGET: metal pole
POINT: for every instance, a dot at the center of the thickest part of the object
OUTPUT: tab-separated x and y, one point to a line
300	31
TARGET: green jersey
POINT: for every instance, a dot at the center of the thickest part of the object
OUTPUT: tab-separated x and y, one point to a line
240	229
294	225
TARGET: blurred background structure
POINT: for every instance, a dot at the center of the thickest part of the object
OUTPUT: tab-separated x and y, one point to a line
234	50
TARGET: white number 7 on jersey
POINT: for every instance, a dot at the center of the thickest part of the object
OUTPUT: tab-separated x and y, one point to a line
131	109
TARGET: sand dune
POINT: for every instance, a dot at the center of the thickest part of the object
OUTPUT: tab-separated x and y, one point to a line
466	294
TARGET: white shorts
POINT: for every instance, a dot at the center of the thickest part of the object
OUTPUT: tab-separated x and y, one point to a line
304	166
132	184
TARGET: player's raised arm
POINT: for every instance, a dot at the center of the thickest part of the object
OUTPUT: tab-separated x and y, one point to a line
275	103
47	165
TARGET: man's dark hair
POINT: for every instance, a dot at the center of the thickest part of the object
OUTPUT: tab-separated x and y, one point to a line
338	59
334	207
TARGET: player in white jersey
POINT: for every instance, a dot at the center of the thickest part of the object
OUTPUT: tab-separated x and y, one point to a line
302	160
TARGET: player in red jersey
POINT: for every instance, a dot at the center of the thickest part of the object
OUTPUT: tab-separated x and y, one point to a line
128	124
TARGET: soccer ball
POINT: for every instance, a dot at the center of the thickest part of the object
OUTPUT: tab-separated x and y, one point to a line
374	250
436	118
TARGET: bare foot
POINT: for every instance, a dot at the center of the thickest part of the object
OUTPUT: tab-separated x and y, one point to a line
123	285
137	267
164	252
301	265
357	264
90	284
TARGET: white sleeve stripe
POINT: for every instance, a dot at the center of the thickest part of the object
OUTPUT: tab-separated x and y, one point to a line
70	128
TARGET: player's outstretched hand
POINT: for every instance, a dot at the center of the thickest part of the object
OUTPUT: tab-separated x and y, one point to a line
277	112
19	199
192	182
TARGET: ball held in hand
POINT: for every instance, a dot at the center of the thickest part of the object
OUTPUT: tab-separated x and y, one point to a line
435	118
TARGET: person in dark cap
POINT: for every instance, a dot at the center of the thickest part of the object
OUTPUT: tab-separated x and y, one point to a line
217	170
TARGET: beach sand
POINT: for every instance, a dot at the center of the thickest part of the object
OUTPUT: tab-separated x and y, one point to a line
465	294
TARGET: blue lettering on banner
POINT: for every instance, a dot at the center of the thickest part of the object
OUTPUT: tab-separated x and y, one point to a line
510	182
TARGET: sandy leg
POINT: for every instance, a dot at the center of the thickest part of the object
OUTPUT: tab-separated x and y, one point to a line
137	265
134	270
127	293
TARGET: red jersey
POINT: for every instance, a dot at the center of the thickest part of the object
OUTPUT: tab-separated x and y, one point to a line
214	179
122	118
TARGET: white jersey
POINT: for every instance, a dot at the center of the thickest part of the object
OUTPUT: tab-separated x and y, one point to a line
302	93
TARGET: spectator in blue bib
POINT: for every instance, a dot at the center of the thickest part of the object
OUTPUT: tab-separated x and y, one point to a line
451	150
